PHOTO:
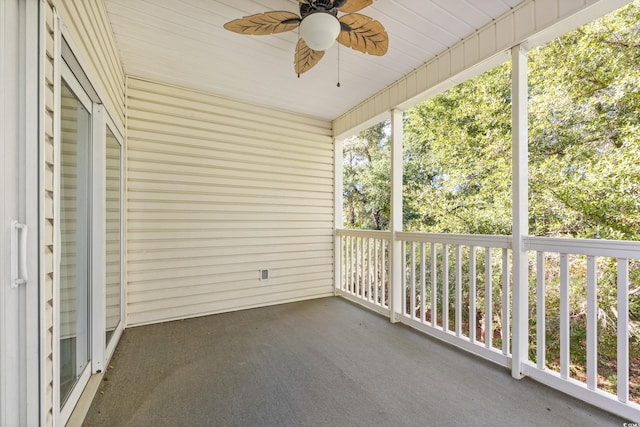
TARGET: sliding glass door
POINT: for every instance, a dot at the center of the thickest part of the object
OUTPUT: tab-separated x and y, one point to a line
74	299
89	205
113	237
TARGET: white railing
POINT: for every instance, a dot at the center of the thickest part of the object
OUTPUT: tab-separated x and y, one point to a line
458	288
574	268
365	268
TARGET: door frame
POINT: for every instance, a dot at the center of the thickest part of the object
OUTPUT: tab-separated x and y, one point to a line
102	350
64	411
21	307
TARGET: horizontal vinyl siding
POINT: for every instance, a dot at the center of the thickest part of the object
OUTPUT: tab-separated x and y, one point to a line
87	24
217	190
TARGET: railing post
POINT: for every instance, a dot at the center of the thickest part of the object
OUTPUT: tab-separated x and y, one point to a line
520	152
338	220
395	249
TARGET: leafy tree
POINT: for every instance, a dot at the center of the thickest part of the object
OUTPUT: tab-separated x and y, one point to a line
366	171
458	160
584	127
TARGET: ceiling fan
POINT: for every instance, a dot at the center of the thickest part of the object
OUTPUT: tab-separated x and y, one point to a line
319	27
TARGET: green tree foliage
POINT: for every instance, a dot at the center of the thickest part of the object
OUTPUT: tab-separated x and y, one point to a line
584	130
458	161
366	172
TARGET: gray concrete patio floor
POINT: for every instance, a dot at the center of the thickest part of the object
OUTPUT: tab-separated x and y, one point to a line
323	362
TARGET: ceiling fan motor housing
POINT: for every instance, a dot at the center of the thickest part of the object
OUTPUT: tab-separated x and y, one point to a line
310	7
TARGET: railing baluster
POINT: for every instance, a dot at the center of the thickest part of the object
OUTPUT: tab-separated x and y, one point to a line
349	285
376	271
343	262
347	264
360	267
354	265
623	330
404	277
506	323
434	286
413	280
541	341
445	287
369	270
488	299
364	270
423	283
473	315
349	261
592	324
458	299
564	316
383	275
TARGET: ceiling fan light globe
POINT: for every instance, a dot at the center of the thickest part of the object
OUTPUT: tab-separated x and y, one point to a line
319	30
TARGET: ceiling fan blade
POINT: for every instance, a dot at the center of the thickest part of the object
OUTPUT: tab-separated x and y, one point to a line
306	58
364	34
349	6
264	23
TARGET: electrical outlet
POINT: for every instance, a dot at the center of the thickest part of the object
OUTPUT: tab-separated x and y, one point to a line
264	275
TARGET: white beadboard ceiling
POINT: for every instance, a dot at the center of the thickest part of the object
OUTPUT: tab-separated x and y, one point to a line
183	42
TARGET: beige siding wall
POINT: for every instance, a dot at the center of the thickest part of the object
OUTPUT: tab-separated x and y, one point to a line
217	190
86	25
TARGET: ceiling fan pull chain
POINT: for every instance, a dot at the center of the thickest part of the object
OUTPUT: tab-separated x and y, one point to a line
298	42
338	66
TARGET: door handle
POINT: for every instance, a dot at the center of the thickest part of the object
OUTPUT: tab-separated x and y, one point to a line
18	254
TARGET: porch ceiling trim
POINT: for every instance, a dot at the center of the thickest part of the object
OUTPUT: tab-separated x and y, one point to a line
535	22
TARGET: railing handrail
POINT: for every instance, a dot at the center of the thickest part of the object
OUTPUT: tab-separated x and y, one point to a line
592	247
479	240
375	234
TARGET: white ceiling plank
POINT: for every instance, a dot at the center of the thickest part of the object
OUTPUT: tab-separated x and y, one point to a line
183	42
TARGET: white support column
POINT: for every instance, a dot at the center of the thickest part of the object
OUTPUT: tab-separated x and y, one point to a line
520	153
338	216
395	248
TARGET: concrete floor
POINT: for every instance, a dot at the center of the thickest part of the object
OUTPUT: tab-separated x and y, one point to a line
324	362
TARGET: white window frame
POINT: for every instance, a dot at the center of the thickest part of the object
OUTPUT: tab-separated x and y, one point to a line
63	412
101	352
